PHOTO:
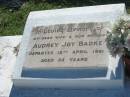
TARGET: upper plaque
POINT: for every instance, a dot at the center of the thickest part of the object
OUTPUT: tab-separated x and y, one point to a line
68	45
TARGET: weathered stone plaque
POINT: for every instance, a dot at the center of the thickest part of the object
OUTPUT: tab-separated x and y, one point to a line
68	45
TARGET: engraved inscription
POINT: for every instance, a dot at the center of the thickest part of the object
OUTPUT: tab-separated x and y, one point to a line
68	45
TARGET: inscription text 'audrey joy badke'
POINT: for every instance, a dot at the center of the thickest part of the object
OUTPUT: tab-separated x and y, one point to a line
68	45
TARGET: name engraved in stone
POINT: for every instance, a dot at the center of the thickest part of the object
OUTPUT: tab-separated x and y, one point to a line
90	43
68	45
47	45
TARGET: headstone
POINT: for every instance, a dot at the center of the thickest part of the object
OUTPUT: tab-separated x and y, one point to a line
66	48
68	45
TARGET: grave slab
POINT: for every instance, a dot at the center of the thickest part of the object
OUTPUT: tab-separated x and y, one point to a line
66	41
